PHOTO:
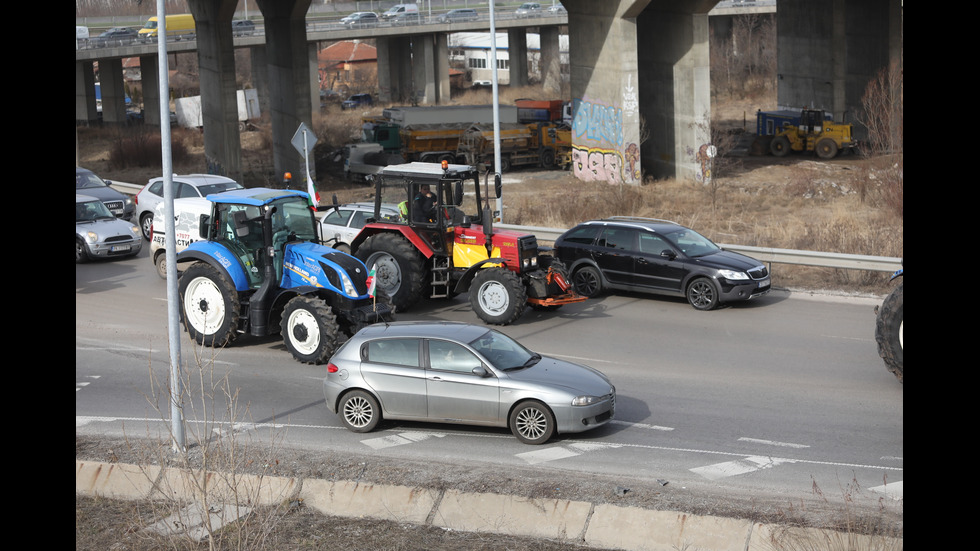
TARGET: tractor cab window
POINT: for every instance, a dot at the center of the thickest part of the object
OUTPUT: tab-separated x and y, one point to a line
239	228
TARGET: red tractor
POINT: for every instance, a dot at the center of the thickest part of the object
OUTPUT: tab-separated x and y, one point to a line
444	244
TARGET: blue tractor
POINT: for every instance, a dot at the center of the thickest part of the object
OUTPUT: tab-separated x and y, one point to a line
261	269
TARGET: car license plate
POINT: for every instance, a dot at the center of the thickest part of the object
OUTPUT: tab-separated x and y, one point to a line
120	248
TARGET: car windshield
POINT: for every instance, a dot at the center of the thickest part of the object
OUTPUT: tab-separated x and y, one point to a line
218	188
504	352
691	243
91	211
87	180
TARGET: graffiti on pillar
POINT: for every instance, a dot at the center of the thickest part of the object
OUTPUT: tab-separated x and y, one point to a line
595	164
705	156
600	152
597	122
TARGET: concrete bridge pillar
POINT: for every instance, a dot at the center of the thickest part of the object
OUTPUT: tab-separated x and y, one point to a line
675	88
517	54
604	88
113	91
550	61
289	81
85	111
219	99
150	81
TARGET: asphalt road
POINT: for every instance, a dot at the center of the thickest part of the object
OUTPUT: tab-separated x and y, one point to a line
776	395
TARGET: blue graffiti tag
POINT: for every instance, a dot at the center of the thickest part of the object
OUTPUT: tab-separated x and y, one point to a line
601	123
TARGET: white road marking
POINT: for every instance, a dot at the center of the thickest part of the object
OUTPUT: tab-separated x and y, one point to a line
894	490
773	443
640	425
548	454
399	439
739	466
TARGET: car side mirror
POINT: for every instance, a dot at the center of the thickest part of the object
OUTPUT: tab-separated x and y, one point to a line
204	226
481	371
668	254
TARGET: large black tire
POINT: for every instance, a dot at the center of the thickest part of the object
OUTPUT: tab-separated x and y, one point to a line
81	252
780	146
702	294
399	268
547	158
359	411
498	296
587	282
146	225
310	329
209	305
532	423
827	148
888	331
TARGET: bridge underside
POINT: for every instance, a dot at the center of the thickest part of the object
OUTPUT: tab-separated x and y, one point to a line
640	81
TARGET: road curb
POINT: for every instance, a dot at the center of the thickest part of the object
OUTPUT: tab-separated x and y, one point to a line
598	525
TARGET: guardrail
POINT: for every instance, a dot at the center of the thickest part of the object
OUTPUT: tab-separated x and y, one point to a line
764	254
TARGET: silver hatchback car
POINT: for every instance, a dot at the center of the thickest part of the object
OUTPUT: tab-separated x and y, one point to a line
447	372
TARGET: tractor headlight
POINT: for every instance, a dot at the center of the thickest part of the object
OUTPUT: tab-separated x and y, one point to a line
349	289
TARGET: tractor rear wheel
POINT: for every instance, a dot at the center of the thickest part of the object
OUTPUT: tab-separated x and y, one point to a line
398	268
888	331
827	148
209	305
780	146
310	329
498	296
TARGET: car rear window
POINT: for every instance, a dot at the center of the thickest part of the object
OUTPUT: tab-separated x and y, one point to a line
393	351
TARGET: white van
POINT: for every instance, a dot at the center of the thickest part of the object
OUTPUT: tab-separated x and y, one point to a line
402	13
187	228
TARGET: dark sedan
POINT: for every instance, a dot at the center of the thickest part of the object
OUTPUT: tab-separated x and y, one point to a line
117	36
120	204
660	257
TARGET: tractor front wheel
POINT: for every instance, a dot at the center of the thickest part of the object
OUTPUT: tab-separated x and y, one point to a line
310	329
498	296
209	305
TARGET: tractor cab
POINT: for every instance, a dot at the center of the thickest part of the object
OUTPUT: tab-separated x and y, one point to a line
239	219
437	201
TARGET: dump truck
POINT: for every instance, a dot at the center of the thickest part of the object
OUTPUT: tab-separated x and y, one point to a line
543	144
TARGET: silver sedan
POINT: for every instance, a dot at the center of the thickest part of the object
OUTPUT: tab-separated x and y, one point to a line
466	374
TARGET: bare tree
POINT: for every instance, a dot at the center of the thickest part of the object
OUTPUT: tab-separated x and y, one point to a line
884	117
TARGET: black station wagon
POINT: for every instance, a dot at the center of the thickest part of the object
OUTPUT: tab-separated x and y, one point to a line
658	256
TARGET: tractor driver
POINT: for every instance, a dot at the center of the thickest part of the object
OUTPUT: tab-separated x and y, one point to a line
425	205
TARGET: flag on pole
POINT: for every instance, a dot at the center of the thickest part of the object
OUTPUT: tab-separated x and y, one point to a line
314	195
371	282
